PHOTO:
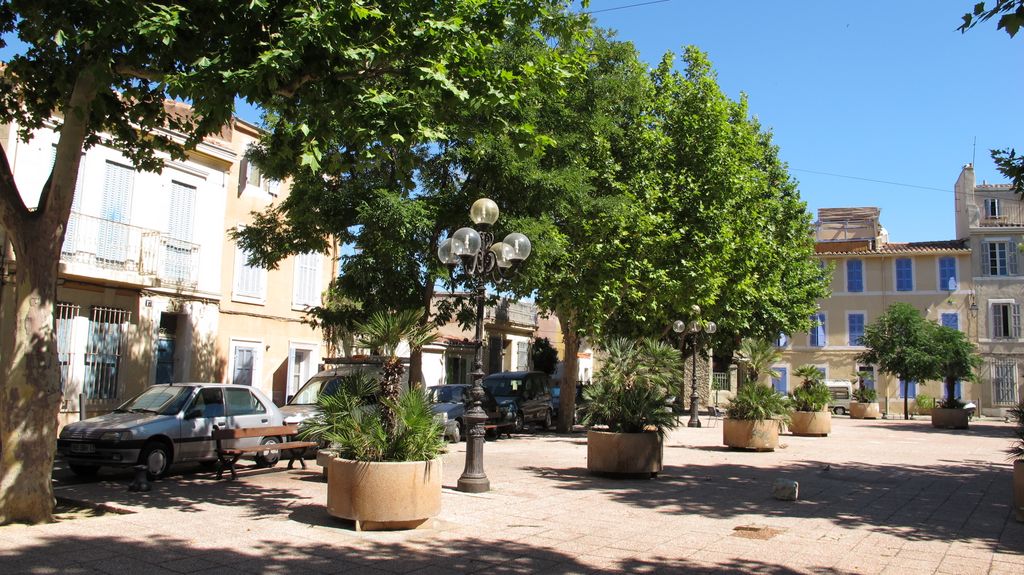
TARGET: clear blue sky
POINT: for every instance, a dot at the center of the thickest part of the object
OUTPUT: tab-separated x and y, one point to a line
879	90
886	91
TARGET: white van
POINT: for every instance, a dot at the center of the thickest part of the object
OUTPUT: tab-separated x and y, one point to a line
842	393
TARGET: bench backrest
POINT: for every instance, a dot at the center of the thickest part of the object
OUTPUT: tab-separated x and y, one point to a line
240	432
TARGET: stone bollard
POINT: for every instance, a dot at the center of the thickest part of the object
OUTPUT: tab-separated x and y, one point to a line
785	490
141	482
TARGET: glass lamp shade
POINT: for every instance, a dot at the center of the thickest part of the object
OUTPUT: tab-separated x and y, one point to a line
502	253
444	253
679	326
694	326
520	244
465	242
484	211
711	327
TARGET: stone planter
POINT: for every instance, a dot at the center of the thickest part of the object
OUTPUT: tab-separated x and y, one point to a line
323	459
949	418
747	434
624	453
811	423
379	496
865	410
1018	489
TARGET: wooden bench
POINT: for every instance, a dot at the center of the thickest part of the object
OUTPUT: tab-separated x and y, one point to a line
228	456
499	429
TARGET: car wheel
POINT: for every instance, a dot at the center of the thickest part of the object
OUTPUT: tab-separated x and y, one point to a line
460	431
839	411
547	419
456	435
268	458
84	470
156	456
520	422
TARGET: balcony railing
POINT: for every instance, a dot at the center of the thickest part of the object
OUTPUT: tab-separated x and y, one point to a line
514	312
106	244
1009	214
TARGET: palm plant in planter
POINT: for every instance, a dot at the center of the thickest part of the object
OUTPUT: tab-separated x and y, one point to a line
810	416
388	471
1016	452
865	403
630	398
755	417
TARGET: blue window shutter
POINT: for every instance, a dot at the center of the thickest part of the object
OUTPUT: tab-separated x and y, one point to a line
817	335
779	383
856	326
947	274
904	274
951	320
911	389
854	275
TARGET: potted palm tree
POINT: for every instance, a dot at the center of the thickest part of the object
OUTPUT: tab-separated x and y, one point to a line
755	417
758	354
387	472
627	407
956	361
864	404
810	416
1016	452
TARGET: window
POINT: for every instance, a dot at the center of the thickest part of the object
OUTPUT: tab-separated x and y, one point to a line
854	275
957	390
522	356
250	281
64	323
869	378
274	187
252	173
904	274
1004	382
115	207
947	274
999	258
209	402
780	380
992	208
178	261
855	322
306	292
950	319
242	402
1005	320
911	389
456	369
107	329
244	360
817	334
782	341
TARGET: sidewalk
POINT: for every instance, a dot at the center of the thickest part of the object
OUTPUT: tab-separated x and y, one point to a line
875	497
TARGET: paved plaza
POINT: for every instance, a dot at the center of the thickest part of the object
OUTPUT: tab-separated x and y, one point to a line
875	497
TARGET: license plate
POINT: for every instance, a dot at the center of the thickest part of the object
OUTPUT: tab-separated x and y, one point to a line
83	448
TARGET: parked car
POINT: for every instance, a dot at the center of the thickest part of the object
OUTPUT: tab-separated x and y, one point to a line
524	394
168	424
842	392
302	405
450	401
556	401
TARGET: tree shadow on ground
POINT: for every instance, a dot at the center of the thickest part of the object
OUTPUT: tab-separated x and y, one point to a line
167	554
955	500
977	428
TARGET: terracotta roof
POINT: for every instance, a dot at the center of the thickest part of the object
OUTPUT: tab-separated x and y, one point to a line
892	247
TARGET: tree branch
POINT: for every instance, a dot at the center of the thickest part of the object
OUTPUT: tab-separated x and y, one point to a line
13	211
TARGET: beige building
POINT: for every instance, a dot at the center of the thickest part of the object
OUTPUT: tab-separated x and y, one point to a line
991	218
151	290
870	274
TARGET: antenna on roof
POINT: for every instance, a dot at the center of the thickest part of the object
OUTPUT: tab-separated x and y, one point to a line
974	150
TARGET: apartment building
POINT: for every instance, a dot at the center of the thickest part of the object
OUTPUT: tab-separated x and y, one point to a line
870	274
991	219
151	290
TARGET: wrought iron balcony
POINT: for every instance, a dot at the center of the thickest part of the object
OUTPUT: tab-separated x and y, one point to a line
158	259
520	313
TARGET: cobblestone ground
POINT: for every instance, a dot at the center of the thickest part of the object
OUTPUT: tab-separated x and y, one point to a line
875	497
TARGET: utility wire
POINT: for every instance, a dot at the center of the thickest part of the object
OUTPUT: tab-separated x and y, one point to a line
626	6
872	180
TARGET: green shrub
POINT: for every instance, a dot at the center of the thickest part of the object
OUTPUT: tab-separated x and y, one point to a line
950	403
865	395
1016	449
757	402
358	431
631	391
924	402
813	395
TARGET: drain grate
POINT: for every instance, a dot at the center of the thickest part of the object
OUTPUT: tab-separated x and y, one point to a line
755	532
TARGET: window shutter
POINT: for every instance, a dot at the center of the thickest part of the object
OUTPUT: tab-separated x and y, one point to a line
243	175
114	210
1015	326
985	255
179	225
1011	258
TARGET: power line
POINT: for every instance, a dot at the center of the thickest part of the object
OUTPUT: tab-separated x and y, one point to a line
873	180
626	6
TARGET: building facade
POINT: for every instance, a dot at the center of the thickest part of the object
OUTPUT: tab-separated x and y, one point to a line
149	288
870	273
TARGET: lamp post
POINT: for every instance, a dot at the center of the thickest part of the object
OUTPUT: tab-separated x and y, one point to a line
694	329
481	259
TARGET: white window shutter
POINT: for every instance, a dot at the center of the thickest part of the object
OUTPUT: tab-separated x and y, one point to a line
1015	326
306	291
179	224
1011	258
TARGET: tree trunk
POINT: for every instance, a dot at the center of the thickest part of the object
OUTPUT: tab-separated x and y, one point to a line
906	400
416	369
30	393
567	388
951	387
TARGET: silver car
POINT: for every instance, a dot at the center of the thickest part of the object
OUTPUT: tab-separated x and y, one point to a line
168	424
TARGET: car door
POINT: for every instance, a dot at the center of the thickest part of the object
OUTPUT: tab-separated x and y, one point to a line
244	410
204	414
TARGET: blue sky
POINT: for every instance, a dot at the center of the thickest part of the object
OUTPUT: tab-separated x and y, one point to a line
886	91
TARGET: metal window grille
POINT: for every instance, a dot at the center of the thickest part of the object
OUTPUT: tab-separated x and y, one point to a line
1004	382
107	330
720	381
66	347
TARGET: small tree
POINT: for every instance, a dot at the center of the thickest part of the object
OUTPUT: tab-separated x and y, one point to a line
899	343
957	359
545	357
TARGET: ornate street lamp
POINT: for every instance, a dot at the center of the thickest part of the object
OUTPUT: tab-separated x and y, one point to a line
481	259
694	329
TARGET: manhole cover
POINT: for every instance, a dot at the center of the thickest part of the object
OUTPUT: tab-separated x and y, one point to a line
755	532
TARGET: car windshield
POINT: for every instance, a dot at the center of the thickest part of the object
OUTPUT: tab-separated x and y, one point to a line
316	386
159	399
445	394
499	387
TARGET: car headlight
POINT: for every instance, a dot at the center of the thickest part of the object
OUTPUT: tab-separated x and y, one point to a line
115	435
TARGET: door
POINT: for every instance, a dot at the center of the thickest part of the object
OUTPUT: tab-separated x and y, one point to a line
205	414
244	410
299	370
165	360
